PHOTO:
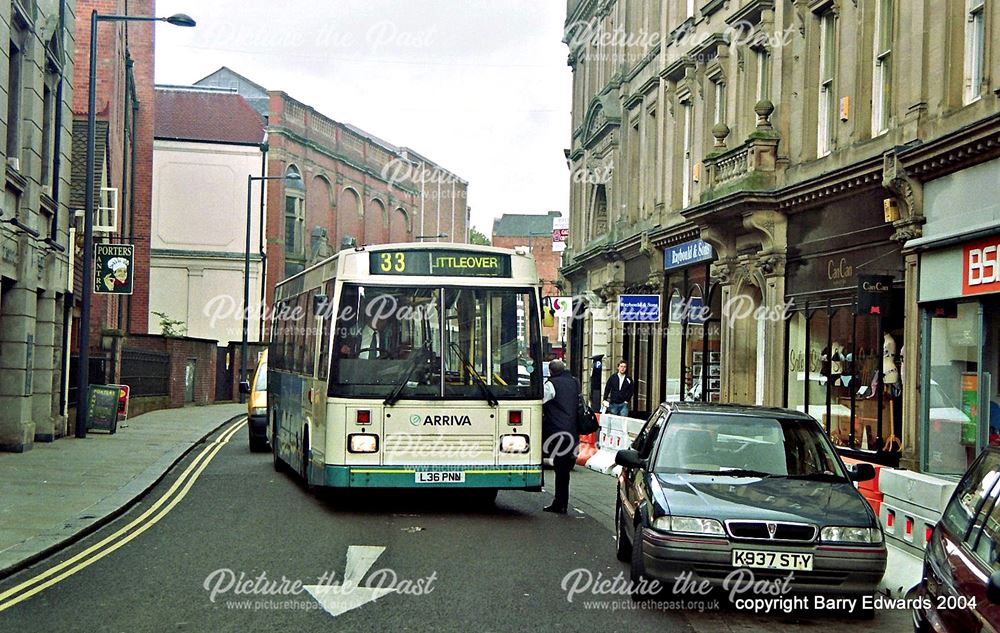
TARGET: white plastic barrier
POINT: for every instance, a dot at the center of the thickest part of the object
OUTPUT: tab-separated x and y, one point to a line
616	433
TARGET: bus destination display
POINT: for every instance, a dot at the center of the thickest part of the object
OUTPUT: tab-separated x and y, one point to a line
440	263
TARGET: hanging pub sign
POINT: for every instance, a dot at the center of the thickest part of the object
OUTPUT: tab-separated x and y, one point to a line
113	268
874	294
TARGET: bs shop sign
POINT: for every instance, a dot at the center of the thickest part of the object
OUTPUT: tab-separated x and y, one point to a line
874	294
981	267
113	268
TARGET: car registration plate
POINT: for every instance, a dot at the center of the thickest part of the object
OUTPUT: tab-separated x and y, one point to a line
440	477
772	560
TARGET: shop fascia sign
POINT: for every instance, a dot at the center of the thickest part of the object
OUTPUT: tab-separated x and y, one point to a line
639	308
981	266
688	253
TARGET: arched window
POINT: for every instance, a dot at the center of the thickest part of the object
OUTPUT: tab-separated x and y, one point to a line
295	245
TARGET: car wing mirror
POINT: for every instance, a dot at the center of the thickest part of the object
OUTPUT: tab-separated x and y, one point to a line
629	459
244	386
862	472
993	588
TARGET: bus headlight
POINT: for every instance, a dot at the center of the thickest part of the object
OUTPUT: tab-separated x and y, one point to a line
258	412
514	444
362	443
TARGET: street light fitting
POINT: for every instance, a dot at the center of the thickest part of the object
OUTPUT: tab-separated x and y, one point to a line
180	19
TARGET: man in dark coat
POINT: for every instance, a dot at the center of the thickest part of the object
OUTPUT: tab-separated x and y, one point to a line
618	391
560	429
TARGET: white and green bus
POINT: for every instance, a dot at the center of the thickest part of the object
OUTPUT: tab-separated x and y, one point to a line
409	365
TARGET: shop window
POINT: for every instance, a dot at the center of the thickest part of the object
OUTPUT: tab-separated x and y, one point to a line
845	370
951	397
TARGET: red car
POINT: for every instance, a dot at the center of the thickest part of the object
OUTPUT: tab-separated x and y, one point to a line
960	590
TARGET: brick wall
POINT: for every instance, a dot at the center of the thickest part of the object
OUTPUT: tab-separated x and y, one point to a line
181	350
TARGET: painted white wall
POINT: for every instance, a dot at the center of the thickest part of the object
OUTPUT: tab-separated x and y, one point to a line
198	237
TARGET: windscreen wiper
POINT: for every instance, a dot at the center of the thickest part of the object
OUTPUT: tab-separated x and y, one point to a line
735	472
418	358
817	477
485	388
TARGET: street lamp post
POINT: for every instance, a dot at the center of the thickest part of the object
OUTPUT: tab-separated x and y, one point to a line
83	364
245	348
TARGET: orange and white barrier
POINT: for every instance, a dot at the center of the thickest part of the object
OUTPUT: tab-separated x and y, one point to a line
616	433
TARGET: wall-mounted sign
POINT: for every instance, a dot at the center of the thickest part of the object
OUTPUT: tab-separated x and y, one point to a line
688	253
639	308
562	307
113	268
981	267
560	233
874	294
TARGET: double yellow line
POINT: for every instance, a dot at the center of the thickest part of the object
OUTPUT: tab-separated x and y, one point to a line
140	524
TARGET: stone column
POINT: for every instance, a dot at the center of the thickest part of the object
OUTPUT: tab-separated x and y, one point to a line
17	333
45	346
911	365
773	296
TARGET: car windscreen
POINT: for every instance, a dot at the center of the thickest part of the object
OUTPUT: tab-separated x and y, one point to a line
717	444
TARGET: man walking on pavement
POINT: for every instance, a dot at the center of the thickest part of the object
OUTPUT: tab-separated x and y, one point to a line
618	391
560	428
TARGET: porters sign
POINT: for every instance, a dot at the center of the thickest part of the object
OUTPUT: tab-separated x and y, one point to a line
113	267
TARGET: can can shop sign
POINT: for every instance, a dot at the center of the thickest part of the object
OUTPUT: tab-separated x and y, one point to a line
113	268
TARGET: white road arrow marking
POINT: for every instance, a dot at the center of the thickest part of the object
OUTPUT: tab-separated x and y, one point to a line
341	598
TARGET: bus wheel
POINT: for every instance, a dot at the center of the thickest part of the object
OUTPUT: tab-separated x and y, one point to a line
304	473
279	464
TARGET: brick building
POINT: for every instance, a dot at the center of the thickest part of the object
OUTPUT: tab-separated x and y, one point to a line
35	219
122	164
534	231
355	188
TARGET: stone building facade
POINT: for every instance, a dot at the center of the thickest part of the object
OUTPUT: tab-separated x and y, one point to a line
753	164
35	220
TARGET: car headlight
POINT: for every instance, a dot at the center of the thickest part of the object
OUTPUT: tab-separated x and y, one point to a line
514	444
689	525
258	411
362	443
841	534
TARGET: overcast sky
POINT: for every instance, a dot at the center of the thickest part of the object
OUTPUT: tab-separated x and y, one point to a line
479	86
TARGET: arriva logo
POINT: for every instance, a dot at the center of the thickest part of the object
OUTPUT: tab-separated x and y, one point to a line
415	419
448	420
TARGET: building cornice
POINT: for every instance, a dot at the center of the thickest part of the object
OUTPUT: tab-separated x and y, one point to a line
969	145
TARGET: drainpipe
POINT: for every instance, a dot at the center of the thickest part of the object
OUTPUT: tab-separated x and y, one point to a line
131	192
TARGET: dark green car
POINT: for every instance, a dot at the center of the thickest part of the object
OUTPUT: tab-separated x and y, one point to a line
717	494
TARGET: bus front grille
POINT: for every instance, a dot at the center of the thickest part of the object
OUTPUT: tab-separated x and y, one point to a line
402	448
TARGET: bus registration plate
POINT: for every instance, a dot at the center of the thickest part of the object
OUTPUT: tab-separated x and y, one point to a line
440	477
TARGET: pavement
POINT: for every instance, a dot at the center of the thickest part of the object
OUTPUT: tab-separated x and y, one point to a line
61	491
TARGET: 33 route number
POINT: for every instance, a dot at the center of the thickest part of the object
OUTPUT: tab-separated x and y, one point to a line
392	262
